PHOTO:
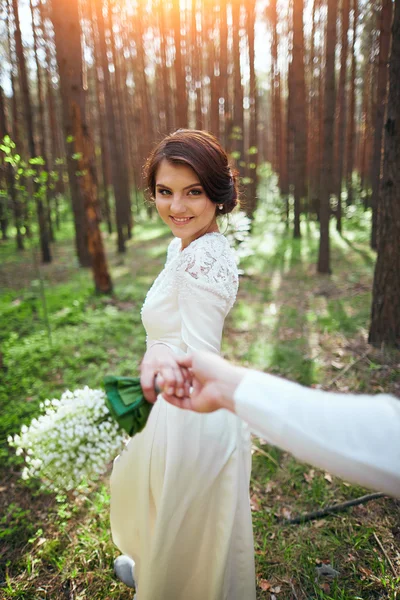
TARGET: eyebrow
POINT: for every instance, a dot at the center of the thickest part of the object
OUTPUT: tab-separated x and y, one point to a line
185	188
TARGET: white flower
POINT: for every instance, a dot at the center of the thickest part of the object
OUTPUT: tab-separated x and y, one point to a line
71	442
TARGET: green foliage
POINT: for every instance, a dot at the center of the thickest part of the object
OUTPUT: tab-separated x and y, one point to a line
287	320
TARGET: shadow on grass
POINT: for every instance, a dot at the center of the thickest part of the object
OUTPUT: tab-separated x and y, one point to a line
368	259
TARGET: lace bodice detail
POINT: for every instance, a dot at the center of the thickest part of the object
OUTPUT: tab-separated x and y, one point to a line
191	297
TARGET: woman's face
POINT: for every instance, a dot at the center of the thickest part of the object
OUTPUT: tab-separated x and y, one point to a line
182	203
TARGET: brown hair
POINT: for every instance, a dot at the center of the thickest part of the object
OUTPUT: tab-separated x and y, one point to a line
202	152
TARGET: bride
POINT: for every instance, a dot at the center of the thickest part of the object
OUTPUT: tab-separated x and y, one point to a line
180	510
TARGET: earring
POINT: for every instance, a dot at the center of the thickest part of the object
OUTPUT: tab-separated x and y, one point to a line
220	206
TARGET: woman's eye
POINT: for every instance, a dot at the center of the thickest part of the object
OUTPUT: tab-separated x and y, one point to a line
163	192
195	192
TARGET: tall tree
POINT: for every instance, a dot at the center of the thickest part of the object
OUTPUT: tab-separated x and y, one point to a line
181	112
385	314
299	113
327	151
11	198
237	132
223	69
341	110
253	153
67	30
28	113
351	130
41	134
384	47
115	149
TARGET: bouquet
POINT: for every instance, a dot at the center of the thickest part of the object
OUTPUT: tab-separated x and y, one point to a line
72	442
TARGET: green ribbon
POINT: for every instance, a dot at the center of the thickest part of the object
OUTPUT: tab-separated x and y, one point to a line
126	402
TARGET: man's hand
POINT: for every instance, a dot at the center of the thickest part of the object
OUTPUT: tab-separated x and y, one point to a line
213	386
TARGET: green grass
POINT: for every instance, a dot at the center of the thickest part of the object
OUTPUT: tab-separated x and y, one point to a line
287	320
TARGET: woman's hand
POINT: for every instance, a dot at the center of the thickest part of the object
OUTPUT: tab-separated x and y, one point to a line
160	362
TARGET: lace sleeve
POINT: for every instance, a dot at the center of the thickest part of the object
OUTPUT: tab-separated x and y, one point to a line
207	282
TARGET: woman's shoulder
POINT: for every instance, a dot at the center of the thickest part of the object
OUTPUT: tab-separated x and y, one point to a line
214	244
211	263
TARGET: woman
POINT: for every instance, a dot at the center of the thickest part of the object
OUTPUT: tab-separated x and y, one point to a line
179	492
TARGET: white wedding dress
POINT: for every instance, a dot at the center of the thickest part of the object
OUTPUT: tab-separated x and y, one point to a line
179	491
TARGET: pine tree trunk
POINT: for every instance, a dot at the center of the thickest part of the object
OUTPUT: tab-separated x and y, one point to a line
122	127
23	76
299	114
341	117
67	32
223	69
252	158
166	84
385	317
237	132
42	126
384	47
181	108
9	179
352	103
327	156
116	159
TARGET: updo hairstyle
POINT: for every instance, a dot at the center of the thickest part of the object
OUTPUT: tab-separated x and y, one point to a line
202	152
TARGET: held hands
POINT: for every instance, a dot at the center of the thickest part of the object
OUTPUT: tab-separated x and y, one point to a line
214	381
159	367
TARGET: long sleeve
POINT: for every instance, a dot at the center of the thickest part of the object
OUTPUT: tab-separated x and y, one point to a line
356	437
207	283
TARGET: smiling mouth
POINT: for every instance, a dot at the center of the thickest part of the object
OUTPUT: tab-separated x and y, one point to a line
180	221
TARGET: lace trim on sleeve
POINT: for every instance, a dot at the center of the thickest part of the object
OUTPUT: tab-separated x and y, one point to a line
208	263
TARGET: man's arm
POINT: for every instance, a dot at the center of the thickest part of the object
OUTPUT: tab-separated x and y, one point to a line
356	437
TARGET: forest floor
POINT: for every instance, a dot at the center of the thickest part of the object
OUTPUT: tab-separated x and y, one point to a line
287	320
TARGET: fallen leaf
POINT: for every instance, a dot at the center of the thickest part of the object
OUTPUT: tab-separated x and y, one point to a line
264	584
41	541
286	513
273	597
326	587
328	477
337	365
269	487
254	503
366	572
309	476
276	589
319	523
350	558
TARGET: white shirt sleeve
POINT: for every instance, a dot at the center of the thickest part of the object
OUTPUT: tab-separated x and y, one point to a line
356	437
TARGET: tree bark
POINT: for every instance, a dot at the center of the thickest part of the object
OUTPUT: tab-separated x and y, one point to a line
384	47
299	113
253	154
237	132
23	76
116	159
327	155
67	34
341	117
181	108
42	126
352	104
385	314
